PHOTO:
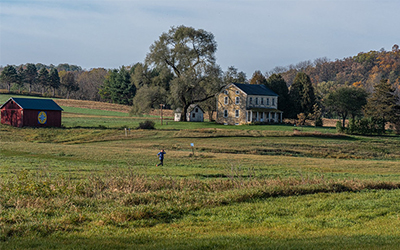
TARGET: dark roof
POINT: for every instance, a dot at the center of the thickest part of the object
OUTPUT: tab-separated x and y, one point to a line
192	106
255	89
36	104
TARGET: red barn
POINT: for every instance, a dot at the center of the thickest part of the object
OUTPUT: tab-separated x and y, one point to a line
20	112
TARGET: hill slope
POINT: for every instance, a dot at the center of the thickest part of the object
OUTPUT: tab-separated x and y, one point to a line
87	104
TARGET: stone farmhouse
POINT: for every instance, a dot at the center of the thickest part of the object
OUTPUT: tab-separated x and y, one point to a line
239	104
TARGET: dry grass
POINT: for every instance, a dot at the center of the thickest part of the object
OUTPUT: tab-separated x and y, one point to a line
64	204
93	105
107	106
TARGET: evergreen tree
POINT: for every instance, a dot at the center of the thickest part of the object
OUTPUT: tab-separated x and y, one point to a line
295	95
302	95
126	90
43	79
31	75
54	80
277	84
233	76
118	87
21	78
383	104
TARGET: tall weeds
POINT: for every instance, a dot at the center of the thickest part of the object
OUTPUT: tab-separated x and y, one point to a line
63	204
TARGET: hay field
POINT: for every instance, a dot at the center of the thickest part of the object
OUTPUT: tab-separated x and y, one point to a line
253	187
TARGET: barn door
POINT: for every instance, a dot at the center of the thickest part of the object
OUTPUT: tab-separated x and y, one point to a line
14	118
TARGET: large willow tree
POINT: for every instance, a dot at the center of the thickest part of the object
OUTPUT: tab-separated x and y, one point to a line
190	54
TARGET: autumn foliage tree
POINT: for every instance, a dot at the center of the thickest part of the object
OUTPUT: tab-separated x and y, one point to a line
89	83
258	78
9	75
68	82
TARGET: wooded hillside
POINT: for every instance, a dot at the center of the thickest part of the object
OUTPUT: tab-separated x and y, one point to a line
366	69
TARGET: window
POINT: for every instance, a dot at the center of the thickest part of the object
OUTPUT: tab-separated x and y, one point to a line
226	100
262	101
251	100
273	101
267	101
193	115
237	92
256	100
237	100
225	113
236	113
273	115
249	116
262	115
196	110
225	92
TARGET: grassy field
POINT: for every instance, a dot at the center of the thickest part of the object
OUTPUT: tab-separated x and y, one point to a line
90	185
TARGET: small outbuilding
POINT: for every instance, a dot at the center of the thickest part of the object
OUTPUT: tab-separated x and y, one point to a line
21	112
195	114
178	113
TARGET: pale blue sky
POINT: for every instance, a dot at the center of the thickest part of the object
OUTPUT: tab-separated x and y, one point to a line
251	35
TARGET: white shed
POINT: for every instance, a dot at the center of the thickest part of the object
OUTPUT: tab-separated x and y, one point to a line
178	113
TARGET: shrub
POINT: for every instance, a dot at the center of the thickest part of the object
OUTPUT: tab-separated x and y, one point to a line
352	127
339	127
366	126
319	122
146	125
301	119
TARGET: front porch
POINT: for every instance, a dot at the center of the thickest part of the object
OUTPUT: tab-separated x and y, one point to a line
263	116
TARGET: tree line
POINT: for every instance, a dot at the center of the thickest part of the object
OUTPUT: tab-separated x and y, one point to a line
40	78
364	88
180	69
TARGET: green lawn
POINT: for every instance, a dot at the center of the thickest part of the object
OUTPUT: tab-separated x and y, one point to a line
90	185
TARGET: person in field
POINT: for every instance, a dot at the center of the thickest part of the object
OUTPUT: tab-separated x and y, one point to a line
161	158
